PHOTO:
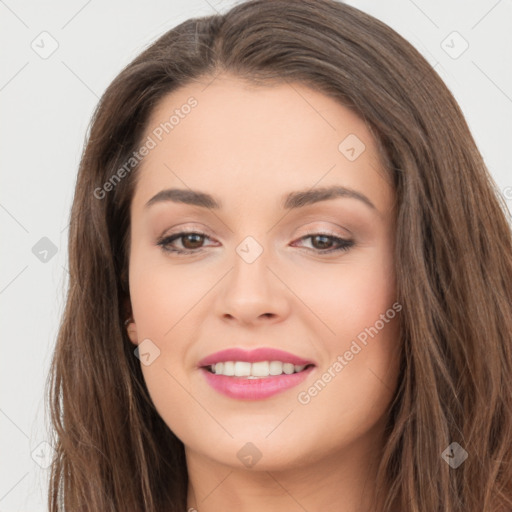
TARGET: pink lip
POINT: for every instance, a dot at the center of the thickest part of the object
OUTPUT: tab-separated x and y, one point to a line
253	356
243	388
253	389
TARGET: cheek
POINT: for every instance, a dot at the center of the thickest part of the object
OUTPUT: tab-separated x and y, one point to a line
351	392
360	344
162	301
162	293
349	298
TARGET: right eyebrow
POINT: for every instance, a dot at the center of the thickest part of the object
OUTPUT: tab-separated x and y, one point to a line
186	196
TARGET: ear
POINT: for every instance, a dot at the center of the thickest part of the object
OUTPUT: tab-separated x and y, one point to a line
131	329
130	325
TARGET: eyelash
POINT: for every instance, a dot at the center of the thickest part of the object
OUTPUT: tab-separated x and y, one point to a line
164	243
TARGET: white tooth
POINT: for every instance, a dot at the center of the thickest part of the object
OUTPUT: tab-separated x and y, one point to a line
260	369
288	368
242	369
229	368
276	367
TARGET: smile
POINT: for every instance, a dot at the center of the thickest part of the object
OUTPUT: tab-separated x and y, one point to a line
254	387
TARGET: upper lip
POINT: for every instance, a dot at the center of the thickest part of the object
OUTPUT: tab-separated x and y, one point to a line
253	356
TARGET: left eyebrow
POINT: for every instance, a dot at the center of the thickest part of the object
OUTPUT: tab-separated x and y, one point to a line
292	200
306	197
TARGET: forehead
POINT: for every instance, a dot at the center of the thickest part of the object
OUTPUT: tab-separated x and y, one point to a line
213	134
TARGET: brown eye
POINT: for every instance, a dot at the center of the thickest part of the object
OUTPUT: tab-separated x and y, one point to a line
191	242
323	243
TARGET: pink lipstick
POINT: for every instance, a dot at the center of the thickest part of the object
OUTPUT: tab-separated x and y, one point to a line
255	374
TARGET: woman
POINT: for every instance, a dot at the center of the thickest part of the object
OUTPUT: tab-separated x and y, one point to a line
289	280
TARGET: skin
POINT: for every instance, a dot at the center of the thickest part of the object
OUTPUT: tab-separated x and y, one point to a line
248	146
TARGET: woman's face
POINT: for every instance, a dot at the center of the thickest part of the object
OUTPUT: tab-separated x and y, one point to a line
275	262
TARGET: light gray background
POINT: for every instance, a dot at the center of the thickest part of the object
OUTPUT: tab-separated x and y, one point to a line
46	107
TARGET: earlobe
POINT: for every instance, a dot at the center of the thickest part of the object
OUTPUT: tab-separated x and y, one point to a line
131	329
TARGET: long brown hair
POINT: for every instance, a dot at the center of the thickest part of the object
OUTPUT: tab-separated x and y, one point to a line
453	264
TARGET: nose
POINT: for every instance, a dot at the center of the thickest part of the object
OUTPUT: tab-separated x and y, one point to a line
253	292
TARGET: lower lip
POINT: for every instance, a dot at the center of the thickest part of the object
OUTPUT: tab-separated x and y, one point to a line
254	389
